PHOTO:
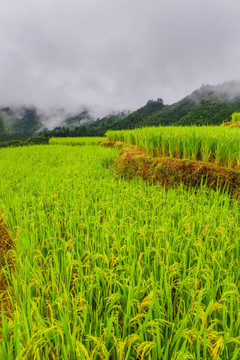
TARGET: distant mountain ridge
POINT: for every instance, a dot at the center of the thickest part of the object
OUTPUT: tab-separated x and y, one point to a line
23	122
208	105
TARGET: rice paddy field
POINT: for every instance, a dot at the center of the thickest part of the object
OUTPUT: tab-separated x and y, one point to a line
75	141
110	269
219	145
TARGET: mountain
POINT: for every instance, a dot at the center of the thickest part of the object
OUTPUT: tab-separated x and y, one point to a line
24	122
19	120
77	120
208	105
3	129
59	117
91	128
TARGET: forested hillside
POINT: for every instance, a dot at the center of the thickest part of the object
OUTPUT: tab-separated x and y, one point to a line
209	105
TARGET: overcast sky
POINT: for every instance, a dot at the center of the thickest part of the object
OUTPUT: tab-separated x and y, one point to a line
114	54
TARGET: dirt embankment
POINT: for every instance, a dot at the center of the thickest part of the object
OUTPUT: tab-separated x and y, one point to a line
170	172
6	265
232	124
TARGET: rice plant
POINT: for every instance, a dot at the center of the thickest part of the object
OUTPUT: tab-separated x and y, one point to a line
108	269
219	145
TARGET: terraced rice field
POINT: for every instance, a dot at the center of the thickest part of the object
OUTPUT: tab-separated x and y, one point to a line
110	269
218	145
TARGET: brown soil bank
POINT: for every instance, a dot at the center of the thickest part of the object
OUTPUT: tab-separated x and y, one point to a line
6	261
170	172
231	123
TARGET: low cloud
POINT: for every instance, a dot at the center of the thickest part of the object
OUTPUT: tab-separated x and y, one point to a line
112	55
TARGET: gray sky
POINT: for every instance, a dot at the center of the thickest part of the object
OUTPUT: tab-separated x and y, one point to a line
114	54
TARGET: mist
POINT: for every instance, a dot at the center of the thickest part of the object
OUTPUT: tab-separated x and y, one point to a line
113	55
229	91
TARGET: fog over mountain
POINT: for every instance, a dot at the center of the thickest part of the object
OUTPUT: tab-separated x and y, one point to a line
53	117
229	91
112	55
208	105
